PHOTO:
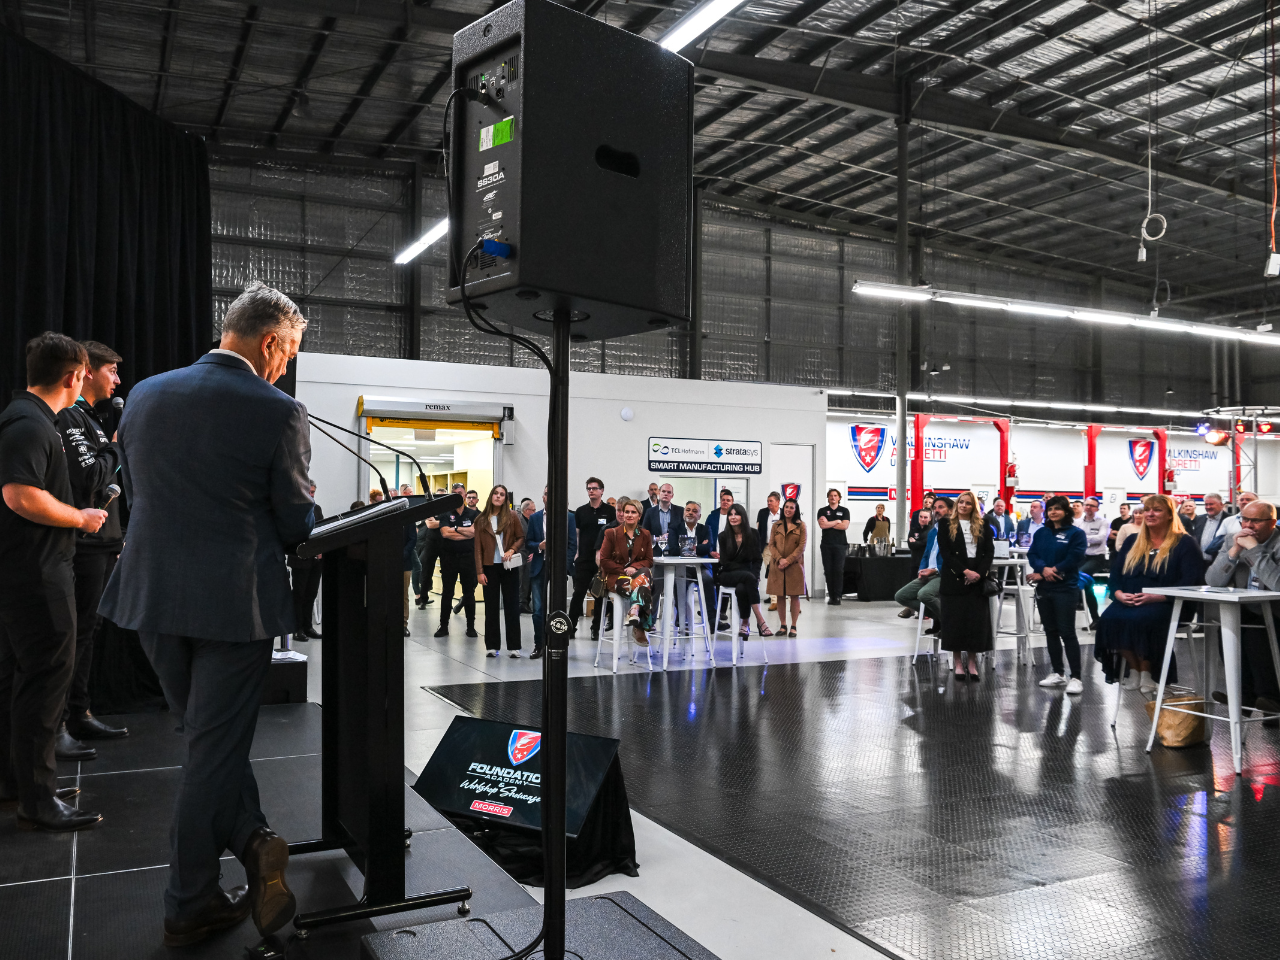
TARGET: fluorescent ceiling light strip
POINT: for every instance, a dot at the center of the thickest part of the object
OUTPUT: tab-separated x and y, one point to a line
697	22
894	291
424	241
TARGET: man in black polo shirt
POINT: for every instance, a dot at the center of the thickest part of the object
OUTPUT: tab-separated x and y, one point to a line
92	463
458	560
37	585
590	518
834	521
431	549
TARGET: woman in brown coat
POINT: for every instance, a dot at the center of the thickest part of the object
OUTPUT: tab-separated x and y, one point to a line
626	560
786	573
498	538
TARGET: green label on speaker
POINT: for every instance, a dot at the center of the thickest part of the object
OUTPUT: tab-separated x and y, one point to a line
497	134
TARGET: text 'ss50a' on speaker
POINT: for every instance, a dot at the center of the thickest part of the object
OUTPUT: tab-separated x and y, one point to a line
579	158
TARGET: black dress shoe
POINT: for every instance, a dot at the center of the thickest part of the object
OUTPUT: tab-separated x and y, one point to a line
471	631
62	793
457	607
226	908
67	747
88	727
311	633
266	856
53	814
442	631
427	601
537	654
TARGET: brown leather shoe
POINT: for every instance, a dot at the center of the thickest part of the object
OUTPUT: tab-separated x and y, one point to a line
266	856
226	908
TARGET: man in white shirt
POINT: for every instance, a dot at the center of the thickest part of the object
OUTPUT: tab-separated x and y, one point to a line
1095	529
1231	526
766	517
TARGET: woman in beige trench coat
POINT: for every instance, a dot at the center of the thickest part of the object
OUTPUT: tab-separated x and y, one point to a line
786	572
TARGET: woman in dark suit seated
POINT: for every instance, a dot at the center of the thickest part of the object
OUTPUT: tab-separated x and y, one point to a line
626	560
1136	626
739	567
965	545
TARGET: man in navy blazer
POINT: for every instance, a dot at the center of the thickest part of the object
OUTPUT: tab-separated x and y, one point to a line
534	539
215	469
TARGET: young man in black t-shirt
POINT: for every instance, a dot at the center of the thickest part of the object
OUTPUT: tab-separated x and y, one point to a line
834	521
590	518
37	604
458	561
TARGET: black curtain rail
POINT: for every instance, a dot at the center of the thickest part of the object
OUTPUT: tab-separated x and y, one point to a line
104	220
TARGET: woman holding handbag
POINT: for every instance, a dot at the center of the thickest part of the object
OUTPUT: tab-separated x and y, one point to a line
498	540
966	549
786	573
626	560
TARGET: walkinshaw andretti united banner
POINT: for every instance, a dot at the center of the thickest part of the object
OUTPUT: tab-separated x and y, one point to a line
687	455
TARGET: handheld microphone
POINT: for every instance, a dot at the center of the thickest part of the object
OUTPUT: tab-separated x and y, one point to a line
422	477
112	491
386	492
118	403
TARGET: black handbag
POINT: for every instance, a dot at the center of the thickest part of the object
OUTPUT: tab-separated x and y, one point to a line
991	587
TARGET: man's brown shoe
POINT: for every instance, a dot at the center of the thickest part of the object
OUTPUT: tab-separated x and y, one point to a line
266	856
226	908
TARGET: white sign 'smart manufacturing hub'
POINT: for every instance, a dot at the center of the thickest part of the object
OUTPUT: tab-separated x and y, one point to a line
688	455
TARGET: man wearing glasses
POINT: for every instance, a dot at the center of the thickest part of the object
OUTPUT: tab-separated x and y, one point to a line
1252	562
590	518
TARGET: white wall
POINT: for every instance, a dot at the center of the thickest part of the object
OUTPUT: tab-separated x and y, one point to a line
601	443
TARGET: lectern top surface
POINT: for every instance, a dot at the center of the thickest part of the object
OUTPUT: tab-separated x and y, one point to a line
353	517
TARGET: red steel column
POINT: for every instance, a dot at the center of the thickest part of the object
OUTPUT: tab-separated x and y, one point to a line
1162	451
917	462
1091	460
1005	490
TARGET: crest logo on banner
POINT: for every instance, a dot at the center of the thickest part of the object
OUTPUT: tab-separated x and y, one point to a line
523	745
868	443
791	491
1140	456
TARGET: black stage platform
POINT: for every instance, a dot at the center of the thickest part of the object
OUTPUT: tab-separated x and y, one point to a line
97	894
991	820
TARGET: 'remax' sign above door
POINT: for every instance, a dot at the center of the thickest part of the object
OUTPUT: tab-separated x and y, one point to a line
686	455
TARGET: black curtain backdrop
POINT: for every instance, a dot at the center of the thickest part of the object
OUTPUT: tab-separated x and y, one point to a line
104	220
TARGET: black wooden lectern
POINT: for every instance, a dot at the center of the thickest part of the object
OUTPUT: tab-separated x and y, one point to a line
362	719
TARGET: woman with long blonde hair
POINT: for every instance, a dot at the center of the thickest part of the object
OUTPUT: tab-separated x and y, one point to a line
966	550
1135	626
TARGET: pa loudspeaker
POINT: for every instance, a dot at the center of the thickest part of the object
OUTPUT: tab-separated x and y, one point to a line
579	156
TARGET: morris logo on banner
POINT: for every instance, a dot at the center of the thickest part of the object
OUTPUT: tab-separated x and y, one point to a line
868	443
1140	456
523	745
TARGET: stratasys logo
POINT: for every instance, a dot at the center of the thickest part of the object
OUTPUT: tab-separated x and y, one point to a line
737	452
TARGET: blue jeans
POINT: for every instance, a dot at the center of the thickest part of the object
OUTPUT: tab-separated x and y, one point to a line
538	585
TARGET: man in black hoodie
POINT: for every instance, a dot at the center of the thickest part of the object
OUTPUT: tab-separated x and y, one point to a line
93	462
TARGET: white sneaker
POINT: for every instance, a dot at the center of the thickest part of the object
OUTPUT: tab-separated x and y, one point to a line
1053	680
1074	686
1147	683
1131	681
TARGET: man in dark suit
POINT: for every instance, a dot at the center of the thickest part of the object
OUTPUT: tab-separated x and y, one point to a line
535	546
215	468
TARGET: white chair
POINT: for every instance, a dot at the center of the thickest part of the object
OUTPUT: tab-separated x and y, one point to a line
937	637
735	638
695	605
621	635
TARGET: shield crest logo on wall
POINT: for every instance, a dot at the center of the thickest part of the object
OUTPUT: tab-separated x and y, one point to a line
868	444
1140	456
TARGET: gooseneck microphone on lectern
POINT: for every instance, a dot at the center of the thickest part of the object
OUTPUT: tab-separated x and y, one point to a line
386	492
422	477
109	494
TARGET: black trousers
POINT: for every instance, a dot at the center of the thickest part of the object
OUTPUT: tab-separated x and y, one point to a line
455	567
306	585
833	555
746	587
214	688
1058	614
427	558
581	583
92	570
502	583
37	651
1257	672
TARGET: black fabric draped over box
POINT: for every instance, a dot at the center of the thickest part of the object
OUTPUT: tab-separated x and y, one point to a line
104	235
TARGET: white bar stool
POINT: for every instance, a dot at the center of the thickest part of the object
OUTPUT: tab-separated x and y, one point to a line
621	635
694	593
937	637
734	626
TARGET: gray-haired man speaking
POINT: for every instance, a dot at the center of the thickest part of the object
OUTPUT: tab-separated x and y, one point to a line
215	466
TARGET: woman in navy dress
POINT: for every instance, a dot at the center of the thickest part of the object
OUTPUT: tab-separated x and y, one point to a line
1135	626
